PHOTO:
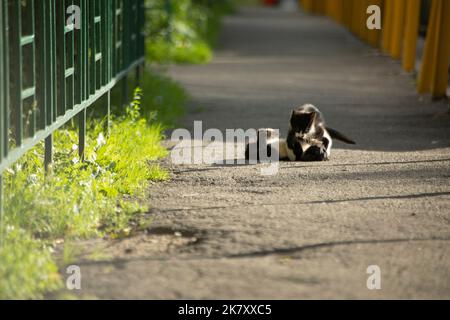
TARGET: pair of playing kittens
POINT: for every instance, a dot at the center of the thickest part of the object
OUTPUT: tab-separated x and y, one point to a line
308	138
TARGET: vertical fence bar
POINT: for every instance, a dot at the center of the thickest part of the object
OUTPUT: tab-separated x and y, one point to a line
4	82
69	72
104	42
48	153
61	56
82	134
125	52
78	60
140	40
45	63
91	49
2	222
114	36
52	87
109	112
125	49
51	78
110	38
3	103
42	31
126	34
84	33
98	43
28	41
15	54
82	69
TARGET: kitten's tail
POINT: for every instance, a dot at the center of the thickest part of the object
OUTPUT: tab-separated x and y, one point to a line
339	136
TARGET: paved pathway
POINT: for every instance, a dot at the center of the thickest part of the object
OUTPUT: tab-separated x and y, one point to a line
312	230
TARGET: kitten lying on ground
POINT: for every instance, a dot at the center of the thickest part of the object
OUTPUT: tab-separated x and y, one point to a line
308	138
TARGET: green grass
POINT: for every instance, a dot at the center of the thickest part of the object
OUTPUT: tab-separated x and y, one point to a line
194	52
95	198
164	101
189	34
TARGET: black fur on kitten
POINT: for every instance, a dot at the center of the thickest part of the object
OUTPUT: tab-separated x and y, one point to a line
308	138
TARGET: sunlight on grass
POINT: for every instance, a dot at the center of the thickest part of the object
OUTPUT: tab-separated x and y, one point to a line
188	33
95	198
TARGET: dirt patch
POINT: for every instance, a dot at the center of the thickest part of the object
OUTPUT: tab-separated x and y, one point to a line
151	242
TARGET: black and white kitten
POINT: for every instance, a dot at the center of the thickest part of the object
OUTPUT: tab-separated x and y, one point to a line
308	138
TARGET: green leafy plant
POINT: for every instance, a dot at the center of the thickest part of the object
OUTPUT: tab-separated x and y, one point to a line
185	31
97	197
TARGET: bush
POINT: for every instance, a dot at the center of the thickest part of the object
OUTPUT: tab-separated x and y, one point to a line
185	32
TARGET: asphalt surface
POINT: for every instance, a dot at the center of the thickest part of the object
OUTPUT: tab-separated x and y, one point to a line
312	230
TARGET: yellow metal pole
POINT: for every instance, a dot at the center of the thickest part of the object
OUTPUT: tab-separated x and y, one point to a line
347	7
398	26
373	36
430	51
387	22
440	81
361	21
411	33
339	10
318	6
364	32
333	9
329	9
355	16
308	5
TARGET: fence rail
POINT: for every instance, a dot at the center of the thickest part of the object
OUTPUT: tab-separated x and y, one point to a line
54	64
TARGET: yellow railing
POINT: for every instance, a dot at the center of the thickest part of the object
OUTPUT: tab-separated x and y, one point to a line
399	33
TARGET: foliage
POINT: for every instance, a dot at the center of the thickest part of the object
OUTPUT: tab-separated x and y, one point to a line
184	31
81	199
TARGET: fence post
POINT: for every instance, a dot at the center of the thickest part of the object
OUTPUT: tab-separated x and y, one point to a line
387	26
3	104
2	219
48	153
109	112
428	68
373	36
15	34
82	134
411	33
4	83
440	81
65	82
397	28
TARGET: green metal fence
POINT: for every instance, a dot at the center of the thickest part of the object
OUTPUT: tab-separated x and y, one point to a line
51	71
54	64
